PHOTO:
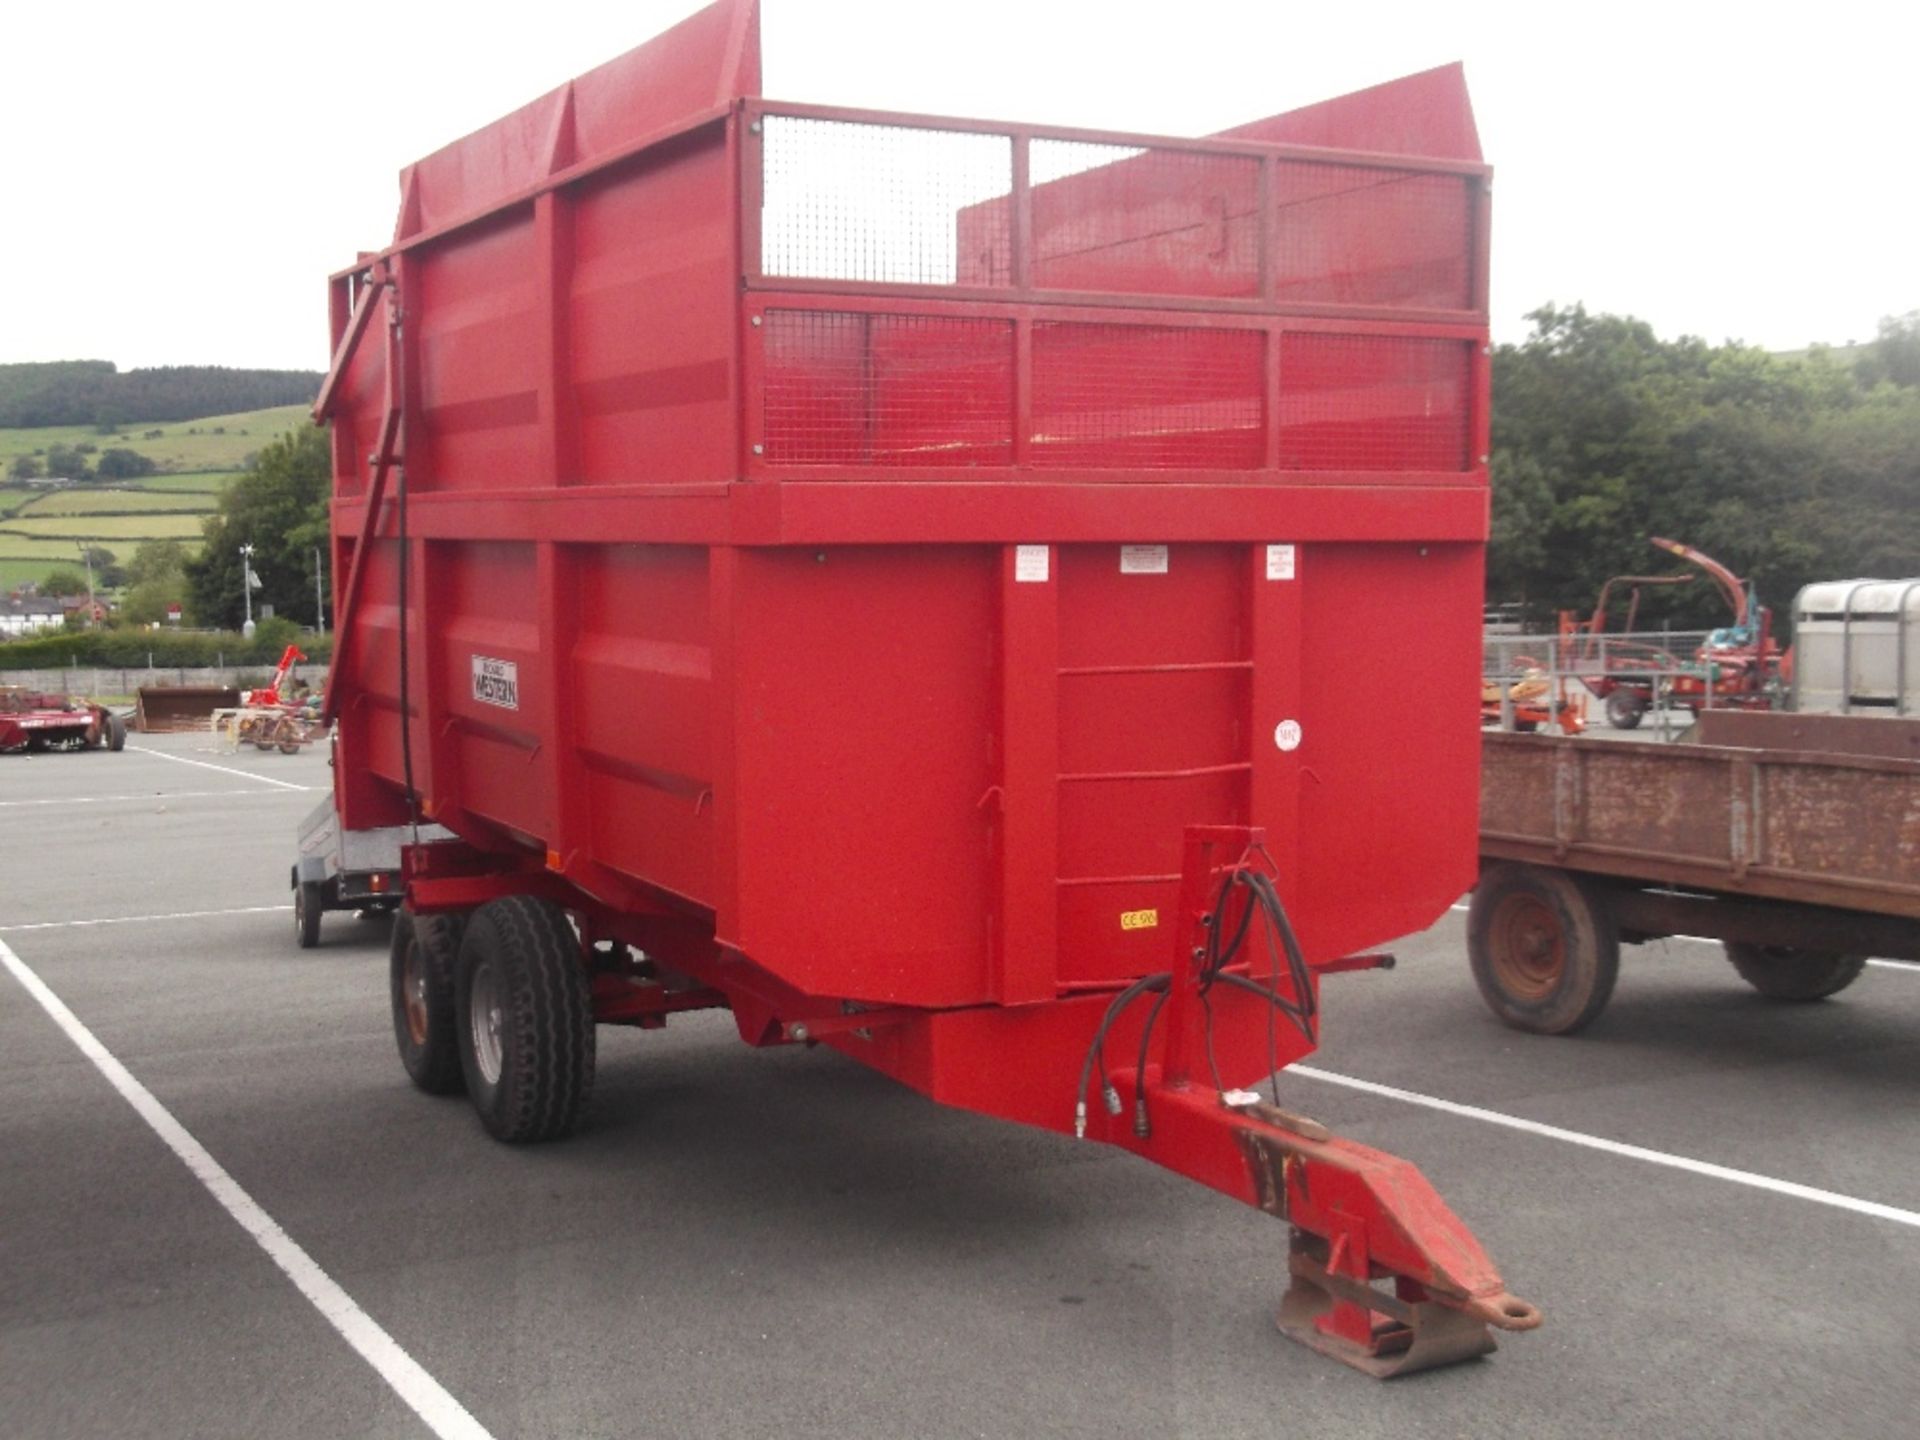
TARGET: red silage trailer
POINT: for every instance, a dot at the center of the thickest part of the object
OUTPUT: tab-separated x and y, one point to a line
905	580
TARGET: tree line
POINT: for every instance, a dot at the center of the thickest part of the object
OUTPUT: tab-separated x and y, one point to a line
96	392
1788	469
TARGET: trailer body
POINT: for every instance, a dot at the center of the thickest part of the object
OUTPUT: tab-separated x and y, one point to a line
1793	838
336	868
887	569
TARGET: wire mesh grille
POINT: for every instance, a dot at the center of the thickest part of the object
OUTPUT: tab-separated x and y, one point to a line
1352	236
1373	402
844	388
885	203
1147	396
1147	222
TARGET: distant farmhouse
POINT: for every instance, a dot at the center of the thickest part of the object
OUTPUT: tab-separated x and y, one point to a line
23	615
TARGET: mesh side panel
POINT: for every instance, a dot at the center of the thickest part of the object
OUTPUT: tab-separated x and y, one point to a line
1146	222
1354	236
1146	396
885	203
842	388
1373	402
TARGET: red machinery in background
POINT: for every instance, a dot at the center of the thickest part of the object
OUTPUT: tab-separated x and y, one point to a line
278	715
31	721
1739	667
896	578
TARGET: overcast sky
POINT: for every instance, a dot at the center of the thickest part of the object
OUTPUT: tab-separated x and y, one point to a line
177	179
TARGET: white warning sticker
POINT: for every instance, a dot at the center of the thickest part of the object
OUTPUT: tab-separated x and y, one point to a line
496	682
1030	564
1143	559
1286	735
1280	562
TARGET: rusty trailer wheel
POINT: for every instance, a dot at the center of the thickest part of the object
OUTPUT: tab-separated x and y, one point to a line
420	969
1784	972
1544	947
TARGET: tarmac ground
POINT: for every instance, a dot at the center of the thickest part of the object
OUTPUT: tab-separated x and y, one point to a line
1714	1198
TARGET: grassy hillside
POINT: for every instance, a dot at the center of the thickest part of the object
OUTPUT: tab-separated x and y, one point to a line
41	530
219	442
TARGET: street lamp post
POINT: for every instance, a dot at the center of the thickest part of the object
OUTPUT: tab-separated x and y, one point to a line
246	587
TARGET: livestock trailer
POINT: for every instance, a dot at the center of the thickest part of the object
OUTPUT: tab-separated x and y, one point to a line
899	578
1857	647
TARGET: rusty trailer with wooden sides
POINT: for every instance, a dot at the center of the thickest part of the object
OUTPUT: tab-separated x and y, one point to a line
1792	839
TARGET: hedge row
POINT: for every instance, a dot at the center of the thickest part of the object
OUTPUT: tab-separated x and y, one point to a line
123	649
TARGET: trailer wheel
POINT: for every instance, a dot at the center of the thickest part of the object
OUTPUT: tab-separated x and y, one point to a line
421	968
309	904
1625	710
1782	972
524	1020
1544	946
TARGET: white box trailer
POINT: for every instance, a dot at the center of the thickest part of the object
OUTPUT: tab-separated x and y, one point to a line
1856	647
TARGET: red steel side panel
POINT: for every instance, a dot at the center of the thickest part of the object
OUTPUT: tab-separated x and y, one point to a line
862	726
708	60
652	238
648	724
1423	114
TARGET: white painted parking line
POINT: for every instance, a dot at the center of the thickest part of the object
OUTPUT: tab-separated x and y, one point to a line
147	795
1707	1168
138	919
223	769
443	1414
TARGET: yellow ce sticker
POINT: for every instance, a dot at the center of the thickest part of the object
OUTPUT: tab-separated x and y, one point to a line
1139	919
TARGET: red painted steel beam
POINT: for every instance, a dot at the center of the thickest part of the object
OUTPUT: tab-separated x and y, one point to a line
349	343
1358	1215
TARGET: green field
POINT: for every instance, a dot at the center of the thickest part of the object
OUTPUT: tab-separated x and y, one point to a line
207	483
107	528
42	530
117	502
20	572
217	443
50	553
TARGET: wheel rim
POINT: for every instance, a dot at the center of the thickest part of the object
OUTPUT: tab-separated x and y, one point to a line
413	993
483	1006
1528	947
300	910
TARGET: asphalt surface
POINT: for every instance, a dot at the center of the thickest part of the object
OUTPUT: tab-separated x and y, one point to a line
745	1243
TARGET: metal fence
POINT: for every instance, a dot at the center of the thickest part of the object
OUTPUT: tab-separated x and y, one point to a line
1560	683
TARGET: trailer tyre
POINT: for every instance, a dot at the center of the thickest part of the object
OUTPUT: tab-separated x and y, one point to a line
1544	947
421	969
309	904
524	1020
1782	972
1625	710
